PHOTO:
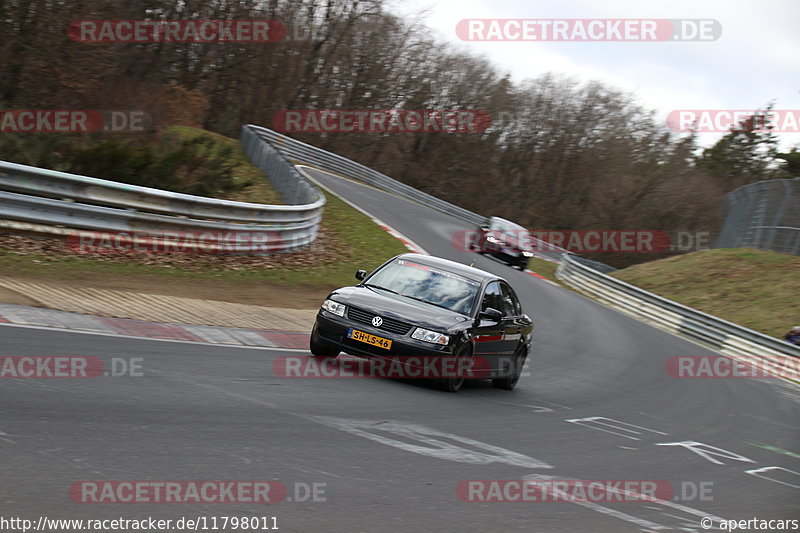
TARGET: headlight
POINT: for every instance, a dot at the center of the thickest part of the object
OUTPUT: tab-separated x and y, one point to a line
427	335
494	240
527	254
333	307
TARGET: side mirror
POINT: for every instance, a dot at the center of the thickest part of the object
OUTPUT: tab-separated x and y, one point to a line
491	314
361	274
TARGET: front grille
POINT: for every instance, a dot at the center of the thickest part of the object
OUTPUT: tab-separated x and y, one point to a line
389	324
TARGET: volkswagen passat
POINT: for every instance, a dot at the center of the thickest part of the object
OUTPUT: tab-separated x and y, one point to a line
420	309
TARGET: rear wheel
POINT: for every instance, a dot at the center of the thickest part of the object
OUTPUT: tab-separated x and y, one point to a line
510	381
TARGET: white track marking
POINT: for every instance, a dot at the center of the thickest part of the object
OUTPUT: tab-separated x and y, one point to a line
757	472
706	451
534	408
601	423
3	434
428	443
641	522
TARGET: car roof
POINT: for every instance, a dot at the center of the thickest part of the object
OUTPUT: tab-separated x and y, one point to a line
461	269
507	223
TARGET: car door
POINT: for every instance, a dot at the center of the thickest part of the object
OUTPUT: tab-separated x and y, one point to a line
488	335
516	325
514	329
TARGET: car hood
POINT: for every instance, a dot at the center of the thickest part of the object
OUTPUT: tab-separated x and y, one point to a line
399	308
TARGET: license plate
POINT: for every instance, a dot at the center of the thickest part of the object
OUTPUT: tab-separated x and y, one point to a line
373	340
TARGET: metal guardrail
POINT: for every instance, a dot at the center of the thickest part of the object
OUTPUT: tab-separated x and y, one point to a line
594	265
725	337
210	235
50	201
290	184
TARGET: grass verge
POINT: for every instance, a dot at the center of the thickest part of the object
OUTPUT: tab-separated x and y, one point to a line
544	268
749	287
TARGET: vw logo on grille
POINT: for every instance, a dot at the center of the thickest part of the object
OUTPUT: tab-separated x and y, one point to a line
377	321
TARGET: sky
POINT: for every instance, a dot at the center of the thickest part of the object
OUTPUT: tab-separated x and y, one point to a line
755	60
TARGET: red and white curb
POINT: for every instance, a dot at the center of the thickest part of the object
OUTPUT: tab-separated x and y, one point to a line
50	318
539	276
411	245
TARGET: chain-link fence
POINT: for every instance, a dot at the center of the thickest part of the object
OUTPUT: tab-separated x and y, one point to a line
763	215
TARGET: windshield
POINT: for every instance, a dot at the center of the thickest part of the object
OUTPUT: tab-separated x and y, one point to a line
427	284
511	234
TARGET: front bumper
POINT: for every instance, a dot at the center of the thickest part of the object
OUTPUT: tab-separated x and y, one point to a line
332	329
511	257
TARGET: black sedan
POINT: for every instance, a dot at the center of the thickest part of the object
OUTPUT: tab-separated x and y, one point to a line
504	240
427	312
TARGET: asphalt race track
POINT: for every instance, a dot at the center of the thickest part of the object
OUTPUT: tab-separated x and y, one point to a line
388	455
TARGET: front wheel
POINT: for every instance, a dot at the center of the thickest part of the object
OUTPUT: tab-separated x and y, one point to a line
509	382
454	382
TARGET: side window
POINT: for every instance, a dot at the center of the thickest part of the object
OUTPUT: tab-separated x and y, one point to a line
493	297
511	306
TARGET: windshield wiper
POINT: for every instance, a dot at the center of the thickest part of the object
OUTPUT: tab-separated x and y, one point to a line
381	288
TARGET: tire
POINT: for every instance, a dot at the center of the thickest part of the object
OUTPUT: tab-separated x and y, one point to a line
509	382
454	383
320	349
